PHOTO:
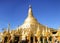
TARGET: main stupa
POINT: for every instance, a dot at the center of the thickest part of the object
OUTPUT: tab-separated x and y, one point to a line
32	23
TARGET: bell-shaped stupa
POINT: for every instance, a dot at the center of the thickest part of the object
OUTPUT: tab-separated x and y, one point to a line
30	21
30	18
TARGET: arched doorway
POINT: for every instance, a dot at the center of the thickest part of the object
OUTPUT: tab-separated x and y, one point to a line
31	39
5	39
25	40
16	39
41	39
36	39
46	41
50	38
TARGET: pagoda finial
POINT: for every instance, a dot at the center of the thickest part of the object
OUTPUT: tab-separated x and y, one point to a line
38	28
8	27
30	11
46	29
30	6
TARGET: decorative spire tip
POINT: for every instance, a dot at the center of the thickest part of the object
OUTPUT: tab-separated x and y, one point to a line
29	6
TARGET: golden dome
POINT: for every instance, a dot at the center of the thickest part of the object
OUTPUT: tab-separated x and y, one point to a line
31	23
30	20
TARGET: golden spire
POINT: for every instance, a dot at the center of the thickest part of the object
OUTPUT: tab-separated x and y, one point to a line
30	20
46	29
30	17
38	29
30	11
8	28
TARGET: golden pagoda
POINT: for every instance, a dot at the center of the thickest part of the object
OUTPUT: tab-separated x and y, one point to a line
31	31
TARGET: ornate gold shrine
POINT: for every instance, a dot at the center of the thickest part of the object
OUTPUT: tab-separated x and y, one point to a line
31	28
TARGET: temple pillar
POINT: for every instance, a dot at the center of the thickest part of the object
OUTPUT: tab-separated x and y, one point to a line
43	40
56	41
39	40
48	40
19	40
34	39
29	40
53	39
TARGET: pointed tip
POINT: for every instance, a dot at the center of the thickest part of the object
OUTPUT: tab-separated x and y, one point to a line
9	24
8	27
30	11
30	6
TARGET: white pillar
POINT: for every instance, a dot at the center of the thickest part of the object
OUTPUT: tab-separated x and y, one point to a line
43	35
53	39
46	29
47	40
39	40
34	39
43	32
43	40
49	30
29	40
56	41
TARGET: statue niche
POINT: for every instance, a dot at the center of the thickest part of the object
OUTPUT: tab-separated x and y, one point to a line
31	38
5	39
16	39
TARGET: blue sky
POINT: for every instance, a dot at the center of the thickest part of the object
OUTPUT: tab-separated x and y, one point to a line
14	12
